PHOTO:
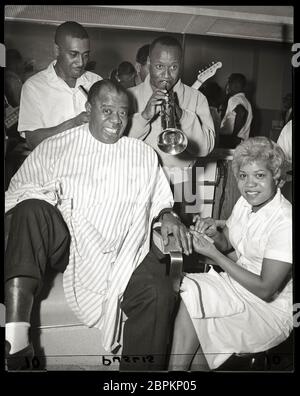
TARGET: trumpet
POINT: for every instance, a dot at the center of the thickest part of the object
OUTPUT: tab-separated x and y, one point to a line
171	140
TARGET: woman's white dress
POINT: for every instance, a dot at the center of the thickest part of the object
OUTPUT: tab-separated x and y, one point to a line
227	317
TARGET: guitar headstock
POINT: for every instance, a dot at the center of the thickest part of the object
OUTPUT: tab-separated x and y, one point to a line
209	71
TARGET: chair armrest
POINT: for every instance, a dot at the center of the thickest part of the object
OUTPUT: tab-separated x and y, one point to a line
157	238
176	258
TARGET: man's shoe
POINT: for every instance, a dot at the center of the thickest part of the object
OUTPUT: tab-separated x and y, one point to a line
21	360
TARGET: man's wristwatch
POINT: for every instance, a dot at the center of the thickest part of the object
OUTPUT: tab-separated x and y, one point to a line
169	211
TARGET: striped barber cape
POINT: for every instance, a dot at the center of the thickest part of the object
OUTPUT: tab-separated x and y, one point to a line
108	195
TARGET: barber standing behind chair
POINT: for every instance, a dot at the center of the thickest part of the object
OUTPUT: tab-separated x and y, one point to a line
191	110
52	100
235	125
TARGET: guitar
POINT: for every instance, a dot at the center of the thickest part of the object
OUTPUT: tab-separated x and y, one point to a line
206	73
11	116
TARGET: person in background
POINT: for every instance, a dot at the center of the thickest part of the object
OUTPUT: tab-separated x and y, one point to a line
112	75
13	77
236	123
285	141
215	97
141	64
16	148
248	307
191	112
30	68
287	103
126	74
53	100
83	203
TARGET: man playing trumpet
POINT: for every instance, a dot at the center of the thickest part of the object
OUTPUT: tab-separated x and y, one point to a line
191	110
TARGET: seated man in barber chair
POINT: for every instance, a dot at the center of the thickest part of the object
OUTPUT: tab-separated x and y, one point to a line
248	307
83	202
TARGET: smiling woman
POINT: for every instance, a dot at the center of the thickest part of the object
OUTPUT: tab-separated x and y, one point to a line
248	307
257	167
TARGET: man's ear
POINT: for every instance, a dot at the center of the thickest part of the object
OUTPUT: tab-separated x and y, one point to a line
56	50
148	61
88	107
137	67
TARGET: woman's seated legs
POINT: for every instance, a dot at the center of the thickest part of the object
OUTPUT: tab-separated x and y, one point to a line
185	347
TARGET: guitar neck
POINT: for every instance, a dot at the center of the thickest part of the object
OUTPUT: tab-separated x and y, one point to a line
197	84
206	74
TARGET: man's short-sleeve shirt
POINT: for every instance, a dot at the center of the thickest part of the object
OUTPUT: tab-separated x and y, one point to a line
47	100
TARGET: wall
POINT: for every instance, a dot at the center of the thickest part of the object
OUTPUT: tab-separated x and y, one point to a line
109	47
266	65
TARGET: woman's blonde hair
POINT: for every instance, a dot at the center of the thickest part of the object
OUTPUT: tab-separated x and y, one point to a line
259	148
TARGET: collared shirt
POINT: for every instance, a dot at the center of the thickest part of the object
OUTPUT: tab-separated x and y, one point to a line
47	100
196	122
285	141
108	195
228	121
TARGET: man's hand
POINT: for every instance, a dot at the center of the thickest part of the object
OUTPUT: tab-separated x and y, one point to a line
152	107
171	225
81	118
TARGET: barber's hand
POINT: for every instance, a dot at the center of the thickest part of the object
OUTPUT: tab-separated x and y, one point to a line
205	225
81	118
171	225
202	245
153	105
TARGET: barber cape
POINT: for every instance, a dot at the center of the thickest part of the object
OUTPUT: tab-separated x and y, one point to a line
108	195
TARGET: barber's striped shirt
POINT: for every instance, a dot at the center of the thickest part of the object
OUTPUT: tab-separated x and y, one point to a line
108	195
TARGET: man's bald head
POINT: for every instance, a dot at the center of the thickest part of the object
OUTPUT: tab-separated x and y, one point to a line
105	85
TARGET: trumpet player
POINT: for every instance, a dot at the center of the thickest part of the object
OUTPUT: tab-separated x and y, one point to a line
190	107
